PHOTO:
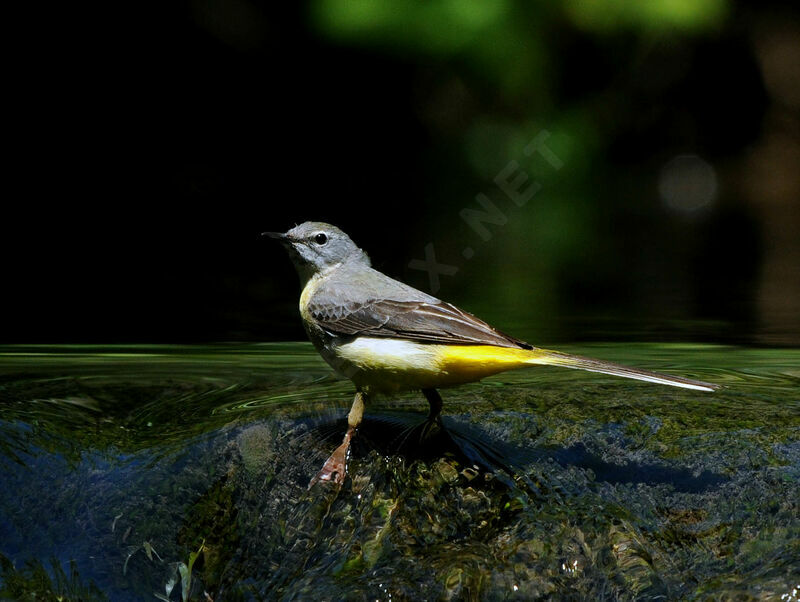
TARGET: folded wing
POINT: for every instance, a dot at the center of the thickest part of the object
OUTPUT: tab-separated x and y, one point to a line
419	321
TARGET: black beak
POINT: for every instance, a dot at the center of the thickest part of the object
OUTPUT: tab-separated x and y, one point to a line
275	235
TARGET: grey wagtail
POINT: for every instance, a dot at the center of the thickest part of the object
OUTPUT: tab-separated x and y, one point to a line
387	336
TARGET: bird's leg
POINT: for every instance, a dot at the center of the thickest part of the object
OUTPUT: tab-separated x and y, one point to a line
435	401
335	467
434	420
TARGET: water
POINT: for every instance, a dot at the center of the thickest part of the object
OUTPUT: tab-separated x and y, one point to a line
120	464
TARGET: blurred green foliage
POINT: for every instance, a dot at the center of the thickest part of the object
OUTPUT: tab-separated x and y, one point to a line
395	117
655	15
498	74
501	40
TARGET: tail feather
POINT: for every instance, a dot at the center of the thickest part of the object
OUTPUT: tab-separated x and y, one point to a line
556	358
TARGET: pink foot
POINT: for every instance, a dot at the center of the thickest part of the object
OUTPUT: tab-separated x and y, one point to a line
335	467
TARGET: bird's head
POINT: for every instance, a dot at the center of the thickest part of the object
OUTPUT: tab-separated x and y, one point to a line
316	246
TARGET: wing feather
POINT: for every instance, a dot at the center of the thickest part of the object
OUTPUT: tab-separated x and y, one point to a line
421	321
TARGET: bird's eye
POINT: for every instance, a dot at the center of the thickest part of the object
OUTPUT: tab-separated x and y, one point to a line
321	238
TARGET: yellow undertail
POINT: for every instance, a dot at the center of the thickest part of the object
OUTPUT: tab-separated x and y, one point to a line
473	362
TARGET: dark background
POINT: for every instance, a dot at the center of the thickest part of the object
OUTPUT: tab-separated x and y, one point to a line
152	143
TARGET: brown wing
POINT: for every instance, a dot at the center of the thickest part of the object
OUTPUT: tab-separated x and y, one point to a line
411	320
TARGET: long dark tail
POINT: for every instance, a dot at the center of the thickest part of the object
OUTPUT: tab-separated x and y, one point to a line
556	358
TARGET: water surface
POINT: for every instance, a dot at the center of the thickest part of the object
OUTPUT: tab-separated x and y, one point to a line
146	472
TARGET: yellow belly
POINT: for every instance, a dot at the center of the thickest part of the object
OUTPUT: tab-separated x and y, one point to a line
391	365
